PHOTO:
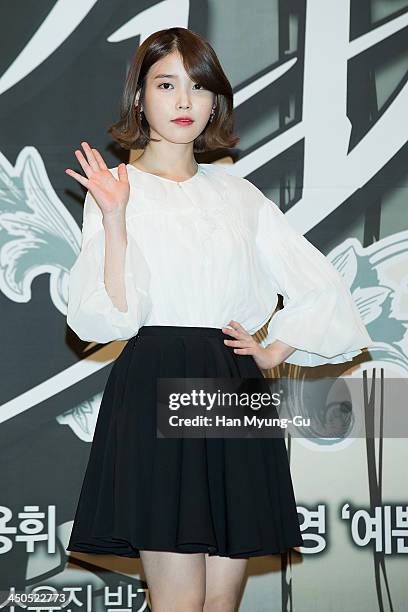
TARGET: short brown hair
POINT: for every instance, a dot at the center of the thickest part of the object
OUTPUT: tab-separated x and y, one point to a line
202	65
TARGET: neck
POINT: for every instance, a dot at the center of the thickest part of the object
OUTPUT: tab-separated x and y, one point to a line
168	168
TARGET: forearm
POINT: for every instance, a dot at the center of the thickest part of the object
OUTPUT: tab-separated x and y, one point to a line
280	351
115	254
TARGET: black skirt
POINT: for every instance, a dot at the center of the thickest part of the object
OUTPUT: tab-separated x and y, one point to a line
231	497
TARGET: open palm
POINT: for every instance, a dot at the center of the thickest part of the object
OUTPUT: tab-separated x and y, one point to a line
110	194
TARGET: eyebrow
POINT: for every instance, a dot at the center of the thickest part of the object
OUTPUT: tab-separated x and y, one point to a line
165	76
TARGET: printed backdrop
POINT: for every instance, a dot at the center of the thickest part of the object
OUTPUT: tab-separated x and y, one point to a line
321	98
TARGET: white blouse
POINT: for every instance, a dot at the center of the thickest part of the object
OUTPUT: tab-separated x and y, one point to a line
207	250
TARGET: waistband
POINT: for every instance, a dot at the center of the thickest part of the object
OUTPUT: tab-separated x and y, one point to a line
180	330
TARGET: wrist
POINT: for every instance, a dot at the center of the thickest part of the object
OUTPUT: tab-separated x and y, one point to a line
116	218
280	350
118	212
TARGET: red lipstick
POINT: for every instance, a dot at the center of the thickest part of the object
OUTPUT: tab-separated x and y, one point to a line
182	121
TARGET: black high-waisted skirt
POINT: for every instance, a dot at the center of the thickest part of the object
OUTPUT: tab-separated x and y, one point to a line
231	497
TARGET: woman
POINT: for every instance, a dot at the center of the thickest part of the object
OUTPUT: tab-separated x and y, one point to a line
185	261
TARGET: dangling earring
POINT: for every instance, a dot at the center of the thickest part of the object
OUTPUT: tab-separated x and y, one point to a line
212	114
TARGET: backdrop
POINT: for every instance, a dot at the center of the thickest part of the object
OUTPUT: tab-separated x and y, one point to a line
321	98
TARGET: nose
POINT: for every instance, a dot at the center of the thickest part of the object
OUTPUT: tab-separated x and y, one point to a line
184	106
183	100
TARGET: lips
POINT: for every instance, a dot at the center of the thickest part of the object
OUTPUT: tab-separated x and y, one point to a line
183	121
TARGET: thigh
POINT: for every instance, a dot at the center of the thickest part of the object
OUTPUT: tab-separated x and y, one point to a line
176	581
224	580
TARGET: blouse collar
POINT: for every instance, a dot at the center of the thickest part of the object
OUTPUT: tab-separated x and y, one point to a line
162	178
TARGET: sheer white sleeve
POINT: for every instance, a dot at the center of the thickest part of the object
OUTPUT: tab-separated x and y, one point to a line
319	317
91	312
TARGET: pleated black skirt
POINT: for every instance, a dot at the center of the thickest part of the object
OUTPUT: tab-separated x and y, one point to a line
231	497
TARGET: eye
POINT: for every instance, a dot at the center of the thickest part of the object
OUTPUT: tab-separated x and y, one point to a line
198	85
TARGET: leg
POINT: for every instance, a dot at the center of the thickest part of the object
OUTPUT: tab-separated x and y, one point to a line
224	578
176	581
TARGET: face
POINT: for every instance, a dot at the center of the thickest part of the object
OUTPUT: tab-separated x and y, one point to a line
174	95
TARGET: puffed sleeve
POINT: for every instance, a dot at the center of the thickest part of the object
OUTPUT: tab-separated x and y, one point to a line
319	317
91	312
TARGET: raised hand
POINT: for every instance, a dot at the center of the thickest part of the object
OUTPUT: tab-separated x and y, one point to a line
110	194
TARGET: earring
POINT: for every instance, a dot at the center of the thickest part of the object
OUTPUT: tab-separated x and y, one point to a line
212	114
140	111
